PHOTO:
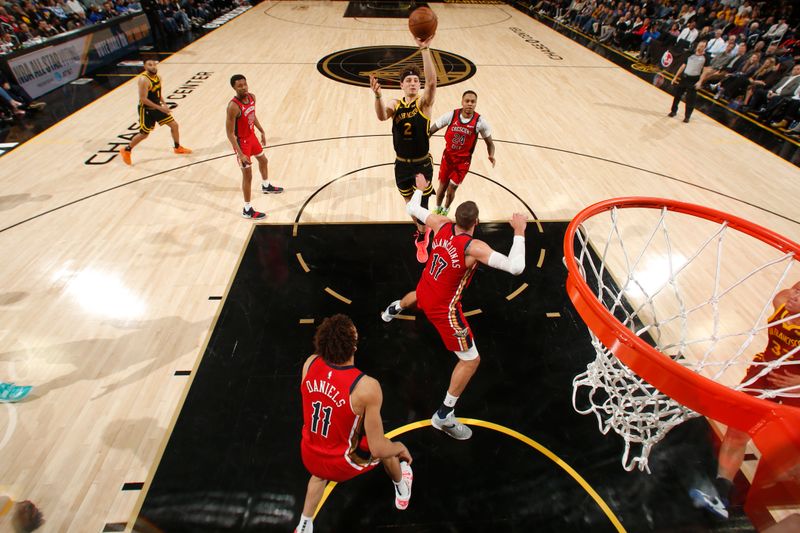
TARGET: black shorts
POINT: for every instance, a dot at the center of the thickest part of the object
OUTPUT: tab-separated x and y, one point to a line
405	173
149	116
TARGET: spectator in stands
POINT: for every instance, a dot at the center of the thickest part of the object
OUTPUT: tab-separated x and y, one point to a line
715	71
752	34
9	104
792	114
75	7
770	103
45	29
8	43
736	82
648	37
717	44
776	32
687	36
25	33
180	16
767	75
7	20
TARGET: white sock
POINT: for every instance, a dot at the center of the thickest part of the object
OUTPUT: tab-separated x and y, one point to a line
247	206
401	487
265	183
305	525
450	400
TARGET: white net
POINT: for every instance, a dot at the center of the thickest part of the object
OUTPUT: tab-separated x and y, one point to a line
699	292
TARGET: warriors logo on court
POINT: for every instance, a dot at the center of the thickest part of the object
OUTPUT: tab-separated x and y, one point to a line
354	66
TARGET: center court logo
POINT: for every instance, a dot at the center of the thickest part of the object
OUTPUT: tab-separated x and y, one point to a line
354	66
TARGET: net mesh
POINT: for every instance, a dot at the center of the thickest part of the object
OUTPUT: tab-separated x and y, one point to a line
684	285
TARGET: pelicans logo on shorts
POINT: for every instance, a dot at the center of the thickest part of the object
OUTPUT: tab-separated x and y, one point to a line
461	334
354	66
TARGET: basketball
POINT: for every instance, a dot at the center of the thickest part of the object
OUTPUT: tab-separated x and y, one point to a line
422	22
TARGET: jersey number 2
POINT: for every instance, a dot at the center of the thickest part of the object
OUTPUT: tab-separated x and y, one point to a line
407	129
326	419
437	265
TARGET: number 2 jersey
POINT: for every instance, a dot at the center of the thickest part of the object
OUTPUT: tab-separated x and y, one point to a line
334	445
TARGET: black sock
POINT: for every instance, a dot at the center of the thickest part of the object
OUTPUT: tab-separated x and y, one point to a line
444	411
177	145
128	148
723	487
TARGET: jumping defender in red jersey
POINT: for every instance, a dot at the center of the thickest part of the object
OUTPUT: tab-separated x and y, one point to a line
463	126
342	426
240	127
453	258
782	338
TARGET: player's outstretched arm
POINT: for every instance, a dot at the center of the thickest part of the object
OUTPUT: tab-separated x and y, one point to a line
440	123
490	148
429	70
415	209
514	262
383	111
369	391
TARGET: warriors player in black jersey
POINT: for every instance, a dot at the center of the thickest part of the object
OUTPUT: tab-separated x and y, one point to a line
152	109
410	120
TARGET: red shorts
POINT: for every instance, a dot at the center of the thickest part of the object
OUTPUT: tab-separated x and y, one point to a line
250	146
762	383
453	171
334	466
450	323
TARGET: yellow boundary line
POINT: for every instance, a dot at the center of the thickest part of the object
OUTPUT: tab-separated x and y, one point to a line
511	433
337	295
517	292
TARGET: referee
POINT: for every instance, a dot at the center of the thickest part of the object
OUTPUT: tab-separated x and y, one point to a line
688	80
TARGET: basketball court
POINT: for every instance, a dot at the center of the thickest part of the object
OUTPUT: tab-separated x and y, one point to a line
164	334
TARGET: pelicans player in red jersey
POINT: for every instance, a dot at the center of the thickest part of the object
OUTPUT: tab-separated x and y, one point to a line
342	426
782	338
463	126
240	127
453	257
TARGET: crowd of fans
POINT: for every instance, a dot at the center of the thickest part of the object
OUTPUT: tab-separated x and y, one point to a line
29	22
752	48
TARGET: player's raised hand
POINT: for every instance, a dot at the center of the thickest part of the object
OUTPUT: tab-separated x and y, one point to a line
426	42
420	182
404	454
783	380
519	222
375	85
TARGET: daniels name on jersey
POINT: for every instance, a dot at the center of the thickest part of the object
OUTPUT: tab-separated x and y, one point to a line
327	389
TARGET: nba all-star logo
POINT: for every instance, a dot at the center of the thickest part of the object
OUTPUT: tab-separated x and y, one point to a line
356	65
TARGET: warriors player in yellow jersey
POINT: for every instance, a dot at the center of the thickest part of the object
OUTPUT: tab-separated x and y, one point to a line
152	110
783	338
411	119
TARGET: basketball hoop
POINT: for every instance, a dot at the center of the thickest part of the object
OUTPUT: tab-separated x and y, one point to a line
677	299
